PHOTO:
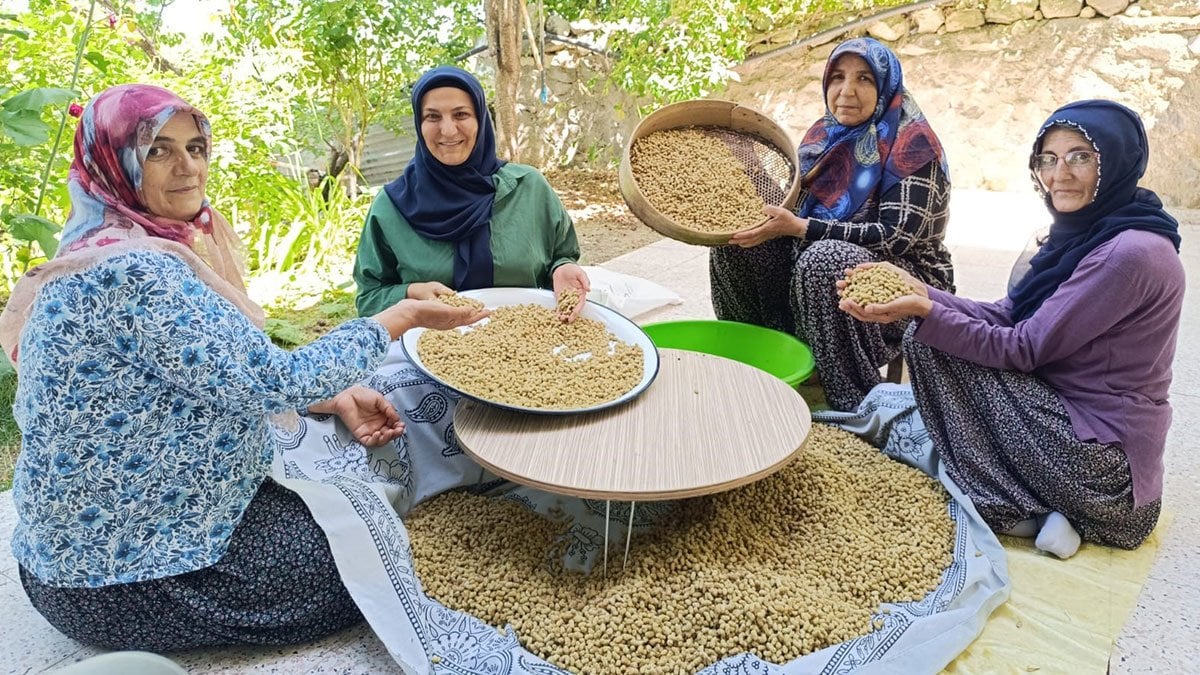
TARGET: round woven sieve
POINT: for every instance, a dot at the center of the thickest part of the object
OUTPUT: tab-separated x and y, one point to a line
763	150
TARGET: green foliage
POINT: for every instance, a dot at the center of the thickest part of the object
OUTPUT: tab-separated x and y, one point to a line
308	233
28	227
346	64
21	115
673	50
285	333
41	58
10	433
6	366
291	326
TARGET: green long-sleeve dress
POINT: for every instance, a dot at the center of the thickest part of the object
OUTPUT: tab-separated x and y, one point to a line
531	235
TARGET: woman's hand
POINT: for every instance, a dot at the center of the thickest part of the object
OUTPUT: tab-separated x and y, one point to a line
370	417
428	290
433	314
779	223
916	303
571	276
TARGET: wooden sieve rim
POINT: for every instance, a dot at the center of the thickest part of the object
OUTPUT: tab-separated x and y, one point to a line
702	113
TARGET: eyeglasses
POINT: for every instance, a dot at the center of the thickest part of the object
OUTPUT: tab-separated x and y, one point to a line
1077	159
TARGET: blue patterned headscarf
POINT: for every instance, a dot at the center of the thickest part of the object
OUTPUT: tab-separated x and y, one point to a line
453	203
1117	135
844	166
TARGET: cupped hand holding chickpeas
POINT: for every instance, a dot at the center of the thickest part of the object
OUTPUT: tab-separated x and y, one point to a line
885	295
779	223
409	313
570	276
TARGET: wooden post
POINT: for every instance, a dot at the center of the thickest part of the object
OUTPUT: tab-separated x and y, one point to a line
504	38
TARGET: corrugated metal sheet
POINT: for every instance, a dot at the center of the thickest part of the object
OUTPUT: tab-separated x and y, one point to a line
385	155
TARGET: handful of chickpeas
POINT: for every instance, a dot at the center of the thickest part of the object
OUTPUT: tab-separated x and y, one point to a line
874	285
456	300
567	302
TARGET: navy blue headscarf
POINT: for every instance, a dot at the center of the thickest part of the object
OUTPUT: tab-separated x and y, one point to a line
1117	134
453	203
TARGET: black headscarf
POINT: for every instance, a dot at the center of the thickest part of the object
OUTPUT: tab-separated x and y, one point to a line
1117	135
453	203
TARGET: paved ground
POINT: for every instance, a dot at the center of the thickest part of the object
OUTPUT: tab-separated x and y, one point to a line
986	233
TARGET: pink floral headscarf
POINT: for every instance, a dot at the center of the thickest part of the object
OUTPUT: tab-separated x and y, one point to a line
109	214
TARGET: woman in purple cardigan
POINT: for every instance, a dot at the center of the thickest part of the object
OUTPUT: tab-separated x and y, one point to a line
1049	407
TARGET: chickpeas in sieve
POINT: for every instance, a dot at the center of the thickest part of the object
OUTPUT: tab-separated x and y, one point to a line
694	180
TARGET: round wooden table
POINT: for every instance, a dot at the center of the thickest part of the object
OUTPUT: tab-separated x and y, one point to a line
706	424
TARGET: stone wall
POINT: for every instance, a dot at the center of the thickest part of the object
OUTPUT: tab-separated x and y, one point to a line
569	112
986	73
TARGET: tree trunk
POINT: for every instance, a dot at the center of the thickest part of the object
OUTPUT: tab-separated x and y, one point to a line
338	159
504	38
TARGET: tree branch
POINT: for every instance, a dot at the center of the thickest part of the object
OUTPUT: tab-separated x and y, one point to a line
143	43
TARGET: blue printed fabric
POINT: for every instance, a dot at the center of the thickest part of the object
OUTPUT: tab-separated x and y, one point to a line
183	384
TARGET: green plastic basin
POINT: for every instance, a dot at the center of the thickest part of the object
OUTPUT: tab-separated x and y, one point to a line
776	352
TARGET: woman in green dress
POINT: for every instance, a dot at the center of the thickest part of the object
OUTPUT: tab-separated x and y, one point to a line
460	218
457	219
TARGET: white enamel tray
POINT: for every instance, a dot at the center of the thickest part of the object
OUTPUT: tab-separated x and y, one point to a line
625	330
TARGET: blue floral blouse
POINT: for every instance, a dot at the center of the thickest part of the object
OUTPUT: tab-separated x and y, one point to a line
142	403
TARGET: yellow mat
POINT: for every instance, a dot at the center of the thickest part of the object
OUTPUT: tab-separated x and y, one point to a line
1063	615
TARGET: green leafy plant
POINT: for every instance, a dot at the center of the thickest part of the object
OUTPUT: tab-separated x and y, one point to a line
21	115
10	433
346	64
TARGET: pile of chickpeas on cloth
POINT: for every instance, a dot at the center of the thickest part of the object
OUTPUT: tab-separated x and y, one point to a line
694	180
525	355
780	568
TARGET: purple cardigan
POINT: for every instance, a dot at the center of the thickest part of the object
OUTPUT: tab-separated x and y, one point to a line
1104	341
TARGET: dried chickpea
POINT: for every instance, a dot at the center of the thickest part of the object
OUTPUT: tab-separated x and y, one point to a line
875	285
782	567
526	356
456	300
694	180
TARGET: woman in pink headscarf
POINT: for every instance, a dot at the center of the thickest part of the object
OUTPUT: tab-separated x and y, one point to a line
145	515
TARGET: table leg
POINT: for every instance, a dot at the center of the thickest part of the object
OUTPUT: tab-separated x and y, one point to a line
628	535
607	508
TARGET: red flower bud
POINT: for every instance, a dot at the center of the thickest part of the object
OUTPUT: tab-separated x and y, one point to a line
112	20
75	110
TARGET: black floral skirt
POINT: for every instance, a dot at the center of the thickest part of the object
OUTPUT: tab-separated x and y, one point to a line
1008	442
277	584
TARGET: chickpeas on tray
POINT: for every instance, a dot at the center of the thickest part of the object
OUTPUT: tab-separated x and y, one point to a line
700	170
523	357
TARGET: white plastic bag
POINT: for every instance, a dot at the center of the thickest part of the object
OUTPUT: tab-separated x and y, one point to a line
626	293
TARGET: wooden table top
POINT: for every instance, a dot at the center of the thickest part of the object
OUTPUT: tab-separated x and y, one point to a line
706	424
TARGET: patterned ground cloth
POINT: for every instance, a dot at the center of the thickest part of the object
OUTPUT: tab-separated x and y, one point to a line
1006	439
772	285
356	493
256	594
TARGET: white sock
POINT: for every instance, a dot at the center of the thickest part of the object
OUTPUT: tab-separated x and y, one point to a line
1057	536
1024	528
